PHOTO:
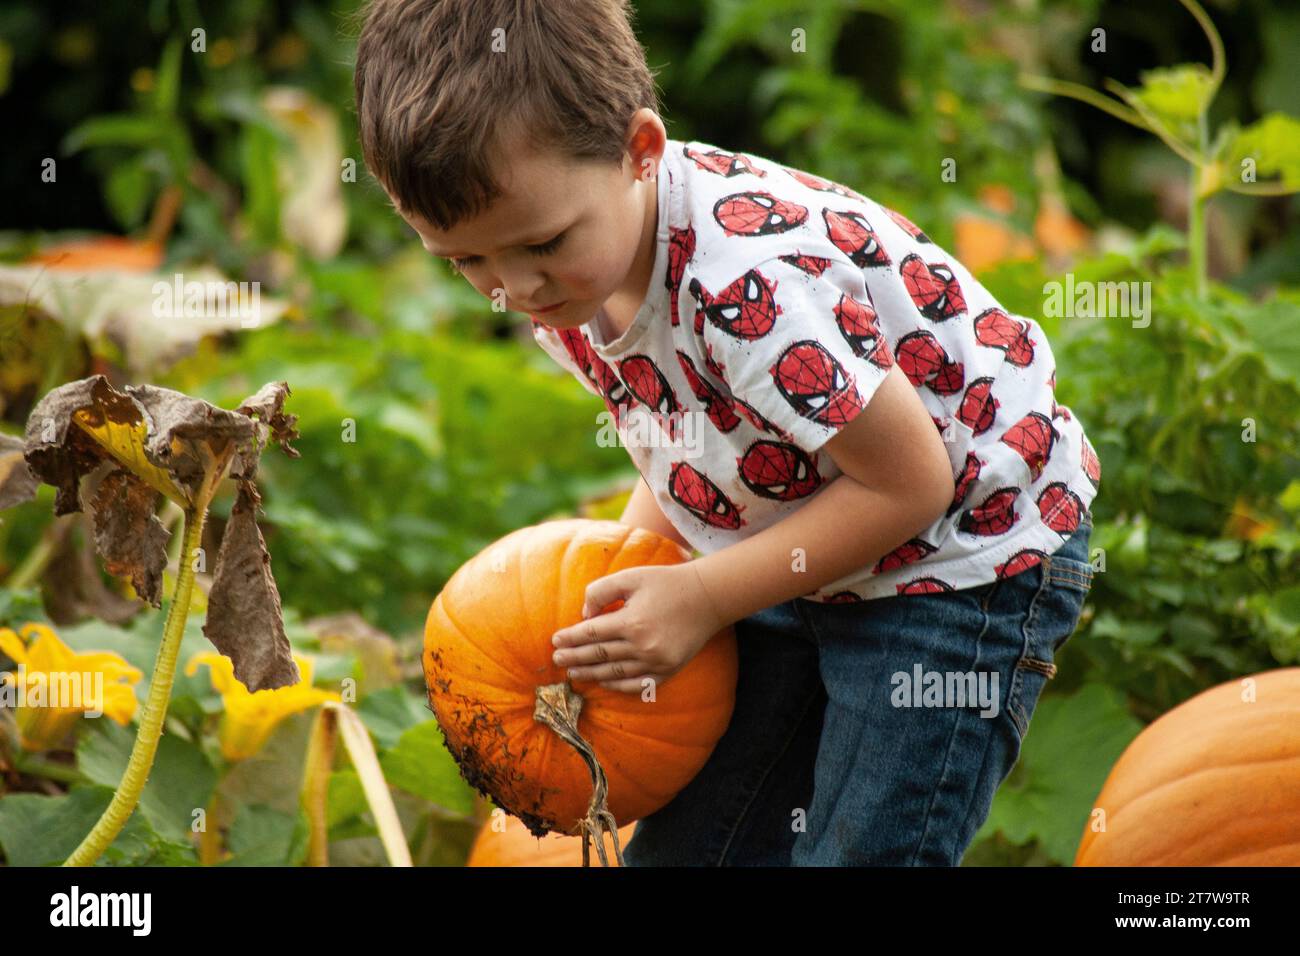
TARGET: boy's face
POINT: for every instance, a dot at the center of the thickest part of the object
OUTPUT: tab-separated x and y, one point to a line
564	234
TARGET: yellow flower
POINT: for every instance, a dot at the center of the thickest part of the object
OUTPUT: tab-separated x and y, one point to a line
251	715
55	686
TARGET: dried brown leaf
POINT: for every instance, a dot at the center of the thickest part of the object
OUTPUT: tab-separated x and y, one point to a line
244	619
58	452
128	535
17	483
266	409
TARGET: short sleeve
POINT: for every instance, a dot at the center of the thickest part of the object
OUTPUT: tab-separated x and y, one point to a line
798	344
571	351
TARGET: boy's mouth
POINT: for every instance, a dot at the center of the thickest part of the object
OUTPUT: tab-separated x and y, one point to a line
549	308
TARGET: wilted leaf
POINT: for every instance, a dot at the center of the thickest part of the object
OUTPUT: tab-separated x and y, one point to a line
245	621
17	483
128	535
73	586
134	310
267	409
178	445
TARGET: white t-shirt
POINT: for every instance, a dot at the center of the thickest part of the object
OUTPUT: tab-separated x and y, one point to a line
777	304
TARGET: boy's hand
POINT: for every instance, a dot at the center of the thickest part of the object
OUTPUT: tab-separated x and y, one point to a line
666	619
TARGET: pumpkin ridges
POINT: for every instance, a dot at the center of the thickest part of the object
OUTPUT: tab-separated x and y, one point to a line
1173	799
1199	822
1251	733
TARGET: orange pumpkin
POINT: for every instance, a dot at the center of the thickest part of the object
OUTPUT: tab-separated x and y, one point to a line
487	664
114	253
1214	782
515	846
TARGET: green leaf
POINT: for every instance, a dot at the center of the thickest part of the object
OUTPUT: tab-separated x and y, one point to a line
1270	328
119	129
1177	95
182	779
1273	144
1070	747
261	836
389	713
127	190
43	831
420	764
168	83
347	798
1180	91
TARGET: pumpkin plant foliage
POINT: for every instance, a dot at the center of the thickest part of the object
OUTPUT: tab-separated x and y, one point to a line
133	447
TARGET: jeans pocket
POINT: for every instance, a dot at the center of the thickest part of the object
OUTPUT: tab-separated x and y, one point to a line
1063	582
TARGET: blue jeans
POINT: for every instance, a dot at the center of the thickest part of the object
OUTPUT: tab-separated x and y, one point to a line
842	749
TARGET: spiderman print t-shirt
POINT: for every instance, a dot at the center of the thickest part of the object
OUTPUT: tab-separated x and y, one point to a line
778	303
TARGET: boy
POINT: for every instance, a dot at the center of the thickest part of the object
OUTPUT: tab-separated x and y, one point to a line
865	450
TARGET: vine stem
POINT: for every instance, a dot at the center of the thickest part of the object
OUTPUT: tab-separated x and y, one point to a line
558	707
128	791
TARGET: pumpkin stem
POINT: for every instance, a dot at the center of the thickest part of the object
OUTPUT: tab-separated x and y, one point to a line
558	707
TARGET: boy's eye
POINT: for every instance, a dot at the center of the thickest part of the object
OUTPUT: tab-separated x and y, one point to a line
460	265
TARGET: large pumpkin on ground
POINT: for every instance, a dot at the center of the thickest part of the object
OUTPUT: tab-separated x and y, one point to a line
487	664
515	846
1214	782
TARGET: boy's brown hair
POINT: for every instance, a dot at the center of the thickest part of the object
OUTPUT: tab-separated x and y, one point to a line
438	97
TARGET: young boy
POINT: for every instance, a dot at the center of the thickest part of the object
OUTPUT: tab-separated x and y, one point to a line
864	449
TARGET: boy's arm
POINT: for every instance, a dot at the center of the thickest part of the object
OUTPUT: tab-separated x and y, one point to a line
897	480
643	511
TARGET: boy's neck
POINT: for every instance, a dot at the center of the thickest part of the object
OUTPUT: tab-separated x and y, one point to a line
621	307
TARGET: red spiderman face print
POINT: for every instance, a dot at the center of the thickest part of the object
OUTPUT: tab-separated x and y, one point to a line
853	236
701	497
857	322
1060	508
757	214
924	362
651	388
978	406
1033	438
681	247
721	163
996	329
746	309
823	185
969	474
815	384
716	405
924	586
1020	561
813	265
906	225
933	288
907	553
996	514
779	471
